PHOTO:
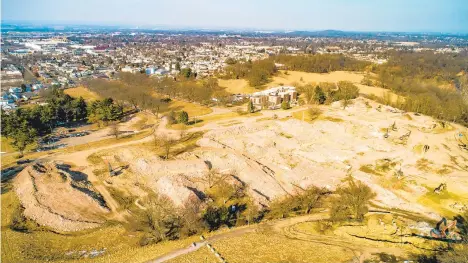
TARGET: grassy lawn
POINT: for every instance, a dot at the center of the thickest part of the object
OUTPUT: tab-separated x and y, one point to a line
6	146
82	92
192	109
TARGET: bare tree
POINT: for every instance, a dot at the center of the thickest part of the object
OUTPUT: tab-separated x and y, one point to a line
164	142
115	130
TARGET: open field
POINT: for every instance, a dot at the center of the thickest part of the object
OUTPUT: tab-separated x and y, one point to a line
272	241
193	109
236	86
81	91
304	77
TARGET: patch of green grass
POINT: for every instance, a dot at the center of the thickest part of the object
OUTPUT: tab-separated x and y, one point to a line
95	159
308	115
424	165
330	118
285	135
440	202
369	169
125	201
6	146
384	165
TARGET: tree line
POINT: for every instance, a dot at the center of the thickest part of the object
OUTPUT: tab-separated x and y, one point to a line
327	92
257	73
321	63
24	125
144	93
418	76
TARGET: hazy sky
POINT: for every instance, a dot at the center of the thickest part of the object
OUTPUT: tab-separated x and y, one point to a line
359	15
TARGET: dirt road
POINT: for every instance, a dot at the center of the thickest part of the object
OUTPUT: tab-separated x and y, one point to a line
277	225
286	227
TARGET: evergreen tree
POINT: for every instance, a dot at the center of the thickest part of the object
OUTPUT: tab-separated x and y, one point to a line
319	95
22	134
183	117
250	107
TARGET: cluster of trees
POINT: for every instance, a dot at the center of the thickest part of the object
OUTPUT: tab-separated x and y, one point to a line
104	111
418	76
202	92
321	63
301	203
154	95
225	203
163	221
420	66
257	73
24	125
187	73
134	90
326	92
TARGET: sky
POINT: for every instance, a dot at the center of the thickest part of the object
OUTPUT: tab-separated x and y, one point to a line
449	16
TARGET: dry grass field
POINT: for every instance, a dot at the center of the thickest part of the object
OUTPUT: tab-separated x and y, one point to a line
81	91
302	78
236	86
192	109
290	77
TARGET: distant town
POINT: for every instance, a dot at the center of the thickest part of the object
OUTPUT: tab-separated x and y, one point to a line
36	60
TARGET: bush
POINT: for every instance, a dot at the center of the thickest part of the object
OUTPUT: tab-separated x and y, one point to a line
285	105
313	113
183	117
20	223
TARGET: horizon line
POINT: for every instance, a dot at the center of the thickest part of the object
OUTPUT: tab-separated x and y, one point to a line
214	28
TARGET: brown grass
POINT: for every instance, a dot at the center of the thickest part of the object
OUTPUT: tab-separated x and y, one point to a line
81	91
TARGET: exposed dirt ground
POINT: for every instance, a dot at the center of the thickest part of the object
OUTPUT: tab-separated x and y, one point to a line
402	156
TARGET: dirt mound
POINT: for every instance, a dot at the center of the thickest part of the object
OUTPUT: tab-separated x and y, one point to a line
400	155
57	197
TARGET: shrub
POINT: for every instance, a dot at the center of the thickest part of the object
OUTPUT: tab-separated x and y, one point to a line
250	107
20	223
313	113
285	105
182	117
